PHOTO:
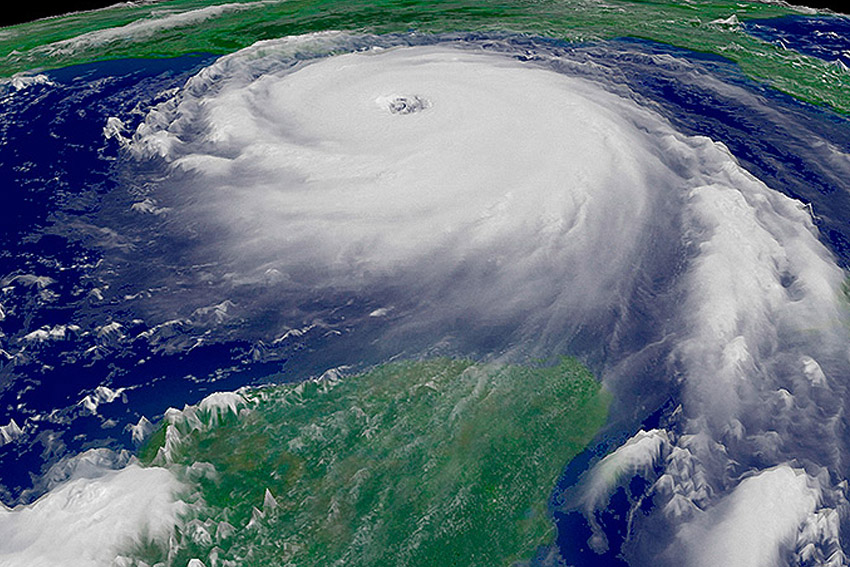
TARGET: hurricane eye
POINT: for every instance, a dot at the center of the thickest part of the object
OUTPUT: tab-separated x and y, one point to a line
404	104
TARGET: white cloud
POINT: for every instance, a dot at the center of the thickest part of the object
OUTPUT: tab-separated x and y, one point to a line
750	526
88	522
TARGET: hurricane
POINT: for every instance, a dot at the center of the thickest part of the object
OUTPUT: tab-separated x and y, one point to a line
401	283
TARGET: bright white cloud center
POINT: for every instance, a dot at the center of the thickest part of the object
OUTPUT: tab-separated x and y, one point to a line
514	182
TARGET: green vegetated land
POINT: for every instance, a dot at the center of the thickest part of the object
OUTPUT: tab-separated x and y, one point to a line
176	27
442	462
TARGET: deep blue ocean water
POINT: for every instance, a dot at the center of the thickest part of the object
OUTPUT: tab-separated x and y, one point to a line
825	37
63	181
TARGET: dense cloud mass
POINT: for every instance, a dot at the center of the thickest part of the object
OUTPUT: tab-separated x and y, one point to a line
506	192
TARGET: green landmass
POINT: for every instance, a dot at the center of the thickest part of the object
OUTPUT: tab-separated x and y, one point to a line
696	25
434	463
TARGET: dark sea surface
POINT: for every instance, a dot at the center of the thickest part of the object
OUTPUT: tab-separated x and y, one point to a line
825	37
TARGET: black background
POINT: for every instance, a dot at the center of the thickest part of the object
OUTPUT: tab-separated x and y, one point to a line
19	11
24	10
